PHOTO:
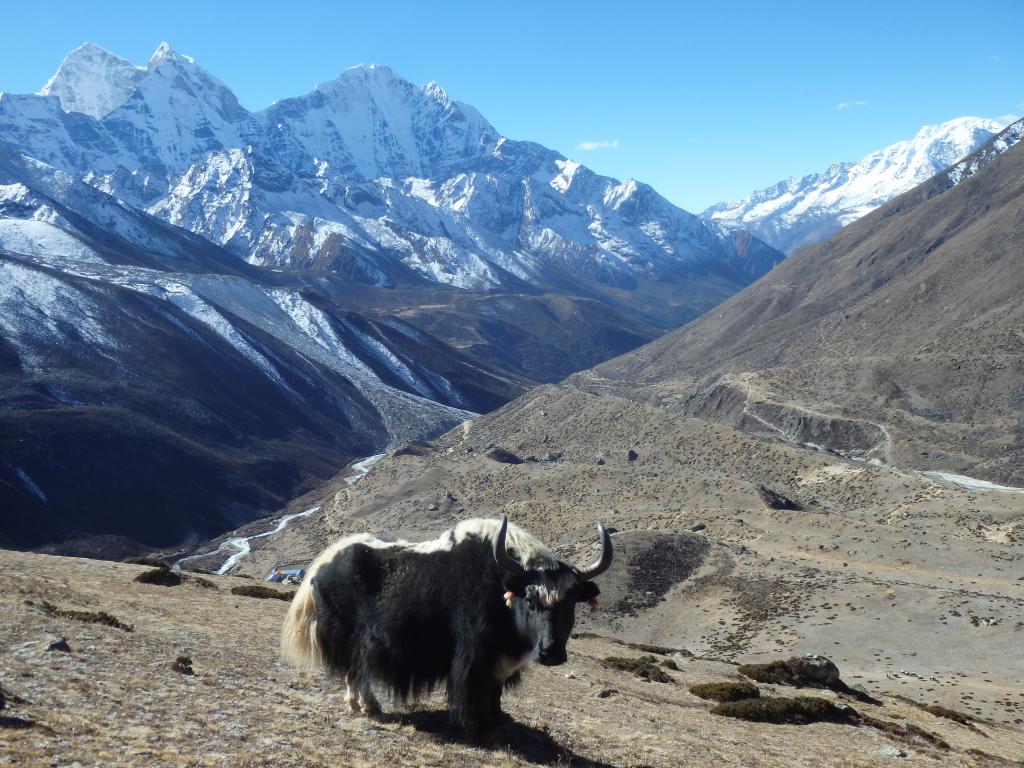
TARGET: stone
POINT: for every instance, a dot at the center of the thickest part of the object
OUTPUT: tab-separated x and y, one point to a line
632	455
890	751
697	527
502	456
814	670
776	500
604	693
59	644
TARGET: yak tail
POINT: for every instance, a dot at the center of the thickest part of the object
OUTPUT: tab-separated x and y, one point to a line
299	642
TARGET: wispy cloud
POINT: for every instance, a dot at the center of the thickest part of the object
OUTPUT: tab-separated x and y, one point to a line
590	146
848	104
995	58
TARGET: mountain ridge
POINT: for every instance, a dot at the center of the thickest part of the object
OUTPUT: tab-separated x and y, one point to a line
405	171
874	342
797	212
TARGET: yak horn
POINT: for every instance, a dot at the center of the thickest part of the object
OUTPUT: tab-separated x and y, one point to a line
604	561
501	555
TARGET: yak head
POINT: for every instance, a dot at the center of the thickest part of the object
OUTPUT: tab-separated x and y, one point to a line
543	600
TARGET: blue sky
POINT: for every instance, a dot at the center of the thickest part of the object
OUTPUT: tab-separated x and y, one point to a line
704	102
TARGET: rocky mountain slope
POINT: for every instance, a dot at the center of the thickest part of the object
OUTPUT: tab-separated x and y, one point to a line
897	340
133	354
798	212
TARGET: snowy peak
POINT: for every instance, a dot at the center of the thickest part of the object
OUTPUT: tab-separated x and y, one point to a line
369	122
798	212
370	176
93	81
163	53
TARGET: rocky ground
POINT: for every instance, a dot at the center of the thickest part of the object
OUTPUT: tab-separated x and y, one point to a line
118	697
913	586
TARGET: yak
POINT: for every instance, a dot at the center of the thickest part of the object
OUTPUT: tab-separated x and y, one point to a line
468	609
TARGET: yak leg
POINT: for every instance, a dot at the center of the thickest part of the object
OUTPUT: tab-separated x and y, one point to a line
359	696
473	695
351	698
499	715
368	701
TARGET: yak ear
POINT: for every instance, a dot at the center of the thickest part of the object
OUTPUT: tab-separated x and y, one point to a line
586	591
516	583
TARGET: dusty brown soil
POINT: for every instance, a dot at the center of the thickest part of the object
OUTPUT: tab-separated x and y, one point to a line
912	586
115	699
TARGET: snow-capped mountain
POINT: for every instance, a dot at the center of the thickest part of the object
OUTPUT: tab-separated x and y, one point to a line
124	339
367	174
248	300
798	212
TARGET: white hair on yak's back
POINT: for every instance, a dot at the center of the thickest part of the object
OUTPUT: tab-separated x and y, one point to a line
299	643
529	550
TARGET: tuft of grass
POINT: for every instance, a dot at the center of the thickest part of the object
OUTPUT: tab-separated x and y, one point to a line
200	581
644	667
162	577
939	711
798	710
776	672
725	691
88	617
659	650
949	714
156	562
260	591
183	665
908	733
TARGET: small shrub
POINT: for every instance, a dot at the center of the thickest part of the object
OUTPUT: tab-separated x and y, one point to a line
669	664
725	691
776	672
258	590
908	733
940	711
183	665
644	667
162	577
944	712
155	562
201	582
89	617
798	710
659	650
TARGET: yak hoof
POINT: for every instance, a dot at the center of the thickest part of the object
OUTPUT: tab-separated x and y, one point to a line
368	702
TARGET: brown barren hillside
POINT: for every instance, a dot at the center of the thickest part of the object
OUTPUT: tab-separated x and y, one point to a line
901	338
197	682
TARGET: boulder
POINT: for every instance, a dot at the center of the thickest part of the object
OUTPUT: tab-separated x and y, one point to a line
502	456
814	671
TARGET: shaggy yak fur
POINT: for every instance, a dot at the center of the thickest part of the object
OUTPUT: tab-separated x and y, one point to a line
468	609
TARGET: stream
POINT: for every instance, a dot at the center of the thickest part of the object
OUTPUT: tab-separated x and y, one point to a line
239	546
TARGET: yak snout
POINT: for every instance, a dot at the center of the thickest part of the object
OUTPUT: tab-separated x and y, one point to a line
552	657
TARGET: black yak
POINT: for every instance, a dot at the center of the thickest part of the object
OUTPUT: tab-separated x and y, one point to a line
469	609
